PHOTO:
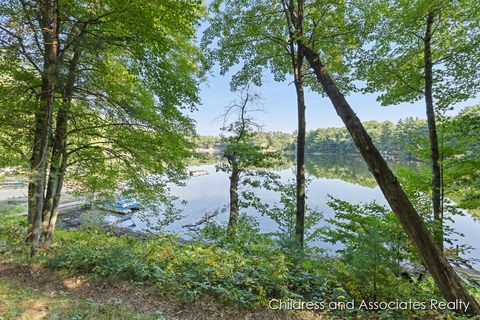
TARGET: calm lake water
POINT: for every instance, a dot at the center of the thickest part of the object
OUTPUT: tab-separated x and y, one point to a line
343	177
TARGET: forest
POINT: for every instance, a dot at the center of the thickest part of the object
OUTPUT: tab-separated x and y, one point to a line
399	139
130	190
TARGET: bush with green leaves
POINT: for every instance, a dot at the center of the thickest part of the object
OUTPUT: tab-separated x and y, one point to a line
12	234
373	250
248	276
249	269
417	186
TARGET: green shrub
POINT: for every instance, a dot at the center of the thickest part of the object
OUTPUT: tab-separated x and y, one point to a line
12	235
190	270
248	270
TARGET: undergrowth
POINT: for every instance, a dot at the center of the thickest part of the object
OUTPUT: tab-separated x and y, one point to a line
249	269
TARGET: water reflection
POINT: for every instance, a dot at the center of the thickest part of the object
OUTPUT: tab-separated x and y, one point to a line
344	177
348	168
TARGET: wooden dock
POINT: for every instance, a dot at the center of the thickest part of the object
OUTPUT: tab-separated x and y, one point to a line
470	276
197	173
466	272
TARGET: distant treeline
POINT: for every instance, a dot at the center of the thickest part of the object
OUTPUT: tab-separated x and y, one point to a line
389	137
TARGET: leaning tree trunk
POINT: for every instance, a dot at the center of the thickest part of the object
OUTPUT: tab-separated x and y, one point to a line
48	23
445	277
432	133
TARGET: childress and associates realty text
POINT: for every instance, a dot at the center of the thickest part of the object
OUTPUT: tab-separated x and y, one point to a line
290	304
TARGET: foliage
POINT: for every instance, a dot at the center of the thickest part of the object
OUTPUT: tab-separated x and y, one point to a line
393	62
271	141
373	247
12	235
377	256
248	270
242	154
142	153
388	137
188	270
240	149
461	148
417	188
235	37
392	138
282	213
15	131
248	155
135	76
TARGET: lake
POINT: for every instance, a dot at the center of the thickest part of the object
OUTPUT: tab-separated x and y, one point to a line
343	177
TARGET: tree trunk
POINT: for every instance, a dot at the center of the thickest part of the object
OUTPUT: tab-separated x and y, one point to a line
58	162
297	58
234	180
58	149
38	171
56	198
445	277
31	207
300	212
48	24
432	133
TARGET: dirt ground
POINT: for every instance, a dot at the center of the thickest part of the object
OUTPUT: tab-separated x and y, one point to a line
137	298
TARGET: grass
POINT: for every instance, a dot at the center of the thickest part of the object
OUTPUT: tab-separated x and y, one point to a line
18	302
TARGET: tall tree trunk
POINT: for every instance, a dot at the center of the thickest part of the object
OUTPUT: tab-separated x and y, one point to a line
48	23
445	277
432	133
300	212
59	150
234	180
297	59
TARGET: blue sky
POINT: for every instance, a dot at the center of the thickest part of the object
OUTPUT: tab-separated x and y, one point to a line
279	102
280	111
